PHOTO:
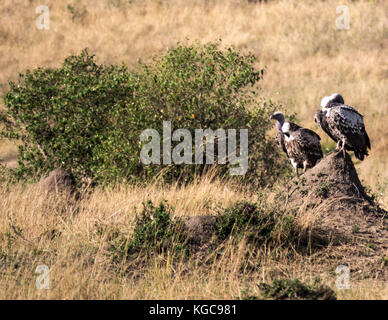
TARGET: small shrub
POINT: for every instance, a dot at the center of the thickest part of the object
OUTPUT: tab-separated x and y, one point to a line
304	192
78	13
355	228
262	222
322	190
156	229
259	222
284	289
245	218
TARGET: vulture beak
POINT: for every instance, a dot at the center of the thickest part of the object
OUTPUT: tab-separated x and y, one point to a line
271	117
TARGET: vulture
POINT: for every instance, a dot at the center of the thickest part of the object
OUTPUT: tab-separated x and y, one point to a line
344	124
302	146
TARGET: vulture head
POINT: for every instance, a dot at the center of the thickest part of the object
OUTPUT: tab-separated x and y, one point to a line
326	102
279	117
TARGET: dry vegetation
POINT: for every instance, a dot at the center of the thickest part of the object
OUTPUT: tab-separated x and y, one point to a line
306	58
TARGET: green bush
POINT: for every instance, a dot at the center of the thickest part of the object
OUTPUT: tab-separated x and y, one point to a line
155	231
245	218
259	222
282	289
87	118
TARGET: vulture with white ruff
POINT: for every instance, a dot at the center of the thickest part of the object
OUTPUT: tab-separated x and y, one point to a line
344	124
302	146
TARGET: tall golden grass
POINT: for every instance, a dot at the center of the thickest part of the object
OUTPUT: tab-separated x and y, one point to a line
57	232
305	57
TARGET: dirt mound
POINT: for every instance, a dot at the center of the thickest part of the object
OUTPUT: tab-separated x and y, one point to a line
200	229
332	178
344	223
58	181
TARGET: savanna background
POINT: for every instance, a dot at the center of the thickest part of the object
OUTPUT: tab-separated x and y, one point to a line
305	58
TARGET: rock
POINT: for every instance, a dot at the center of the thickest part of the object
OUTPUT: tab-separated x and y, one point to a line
59	181
200	229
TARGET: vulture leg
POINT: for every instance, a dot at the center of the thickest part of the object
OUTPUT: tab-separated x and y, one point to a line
343	147
337	148
295	165
304	166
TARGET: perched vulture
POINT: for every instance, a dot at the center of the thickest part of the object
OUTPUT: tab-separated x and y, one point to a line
302	146
344	125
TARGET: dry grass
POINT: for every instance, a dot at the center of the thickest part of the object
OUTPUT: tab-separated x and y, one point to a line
65	238
306	58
